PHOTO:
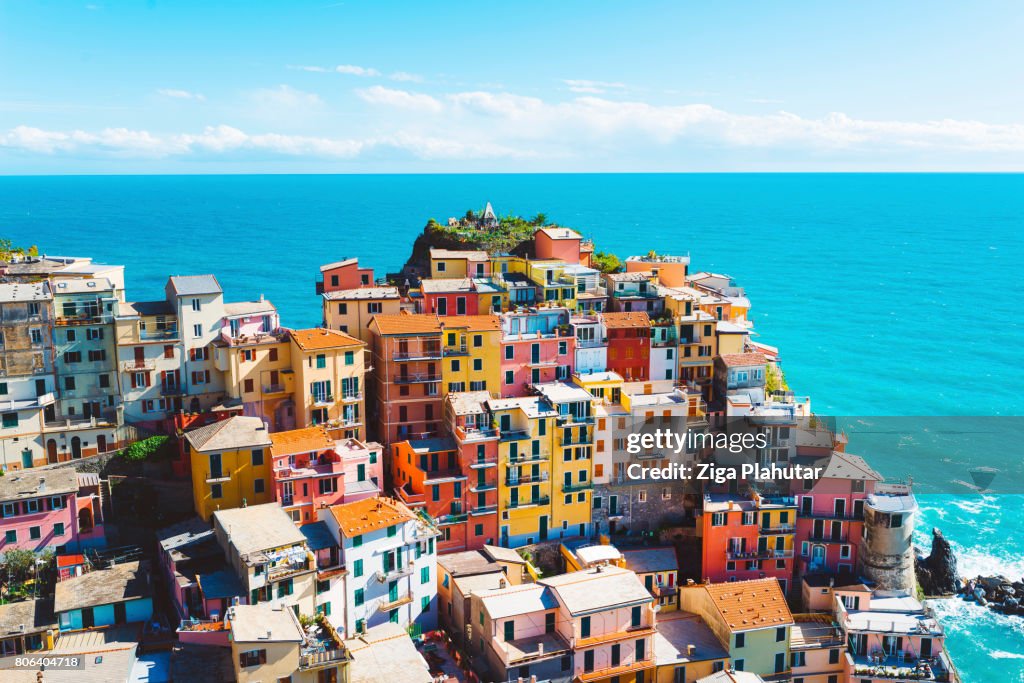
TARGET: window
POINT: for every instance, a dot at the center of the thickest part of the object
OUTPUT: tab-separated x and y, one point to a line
32	506
780	634
833	656
350	357
797	659
11	536
738	664
679	675
636	616
321	360
640	650
35	533
257	457
425	603
10	420
357	541
718	519
195	304
478	364
478	340
510	630
197	330
216	491
510	377
741	640
374	307
455	366
392	530
588	660
323	586
285	588
510	352
250	657
359	599
3	388
585	628
780	662
425	575
258	486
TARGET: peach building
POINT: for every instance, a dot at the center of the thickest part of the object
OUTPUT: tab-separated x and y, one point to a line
557	243
342	275
330	370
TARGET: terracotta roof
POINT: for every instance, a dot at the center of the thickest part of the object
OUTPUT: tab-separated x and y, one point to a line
321	338
747	605
370	514
305	440
473	323
741	359
406	323
631	319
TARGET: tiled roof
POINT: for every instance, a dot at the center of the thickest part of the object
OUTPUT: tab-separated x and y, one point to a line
647	560
742	359
561	233
403	323
624	320
306	440
473	323
848	466
185	285
747	605
235	432
370	514
317	338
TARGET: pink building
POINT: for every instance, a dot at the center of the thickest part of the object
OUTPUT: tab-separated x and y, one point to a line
313	468
89	510
38	510
193	563
343	275
535	347
449	296
830	514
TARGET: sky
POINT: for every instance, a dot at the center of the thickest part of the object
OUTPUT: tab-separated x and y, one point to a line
558	86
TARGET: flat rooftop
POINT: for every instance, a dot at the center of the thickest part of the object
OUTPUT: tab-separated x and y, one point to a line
386	653
120	583
256	528
677	631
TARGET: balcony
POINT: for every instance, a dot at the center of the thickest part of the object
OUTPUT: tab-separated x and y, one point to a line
879	666
566	420
218	477
539	500
421	353
527	479
138	365
524	458
323	399
159	335
107	418
467	434
776	529
318	659
386	605
294	565
577	486
484	510
456	350
481	488
273	388
483	464
579	440
351	396
415	377
514	434
452	518
393	574
828	538
765	554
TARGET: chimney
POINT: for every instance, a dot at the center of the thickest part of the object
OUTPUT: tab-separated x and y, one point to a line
501	583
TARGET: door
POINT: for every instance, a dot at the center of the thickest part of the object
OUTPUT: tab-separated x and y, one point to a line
544	528
840	507
76	447
926	647
818	556
26	458
51	451
140	357
513	498
88	619
120	613
535	353
101	443
392	591
442	306
40	387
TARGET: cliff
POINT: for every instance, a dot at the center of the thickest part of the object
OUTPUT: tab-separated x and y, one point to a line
508	236
937	573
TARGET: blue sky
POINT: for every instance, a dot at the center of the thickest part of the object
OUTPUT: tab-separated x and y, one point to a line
353	86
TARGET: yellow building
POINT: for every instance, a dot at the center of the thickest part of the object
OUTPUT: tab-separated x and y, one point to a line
330	369
446	263
471	353
525	427
258	373
230	464
572	456
350	310
554	287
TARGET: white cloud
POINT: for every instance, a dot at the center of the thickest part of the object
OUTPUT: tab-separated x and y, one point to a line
578	85
353	70
403	99
314	69
181	94
285	96
406	77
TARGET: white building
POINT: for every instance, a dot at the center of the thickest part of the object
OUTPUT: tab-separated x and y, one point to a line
591	344
198	301
391	557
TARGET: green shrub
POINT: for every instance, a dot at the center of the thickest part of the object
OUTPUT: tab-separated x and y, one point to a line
145	449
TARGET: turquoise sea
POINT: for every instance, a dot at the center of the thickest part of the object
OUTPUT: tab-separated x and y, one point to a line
889	295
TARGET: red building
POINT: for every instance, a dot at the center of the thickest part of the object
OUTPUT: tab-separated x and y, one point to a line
454	480
343	275
629	346
448	296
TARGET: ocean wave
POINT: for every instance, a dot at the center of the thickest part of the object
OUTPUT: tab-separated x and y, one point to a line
1002	654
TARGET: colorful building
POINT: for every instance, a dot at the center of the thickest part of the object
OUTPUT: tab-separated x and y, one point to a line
330	369
121	594
447	296
536	347
671	271
553	242
230	462
391	557
591	344
198	303
38	510
312	470
635	291
446	263
27	395
686	650
351	310
343	275
150	360
750	619
629	346
658	568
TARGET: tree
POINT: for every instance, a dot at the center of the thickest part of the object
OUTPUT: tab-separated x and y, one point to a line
17	564
471	216
606	262
540	219
8	250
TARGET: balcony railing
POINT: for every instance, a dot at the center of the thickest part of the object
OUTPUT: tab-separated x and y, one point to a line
393	574
422	353
577	486
316	660
574	419
133	365
778	529
523	458
414	377
484	510
273	388
527	479
386	605
218	477
486	462
766	554
323	399
456	350
539	500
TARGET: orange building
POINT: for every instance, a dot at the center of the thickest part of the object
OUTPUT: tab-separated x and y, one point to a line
343	275
557	243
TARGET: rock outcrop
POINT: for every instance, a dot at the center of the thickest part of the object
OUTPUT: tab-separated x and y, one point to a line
937	573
